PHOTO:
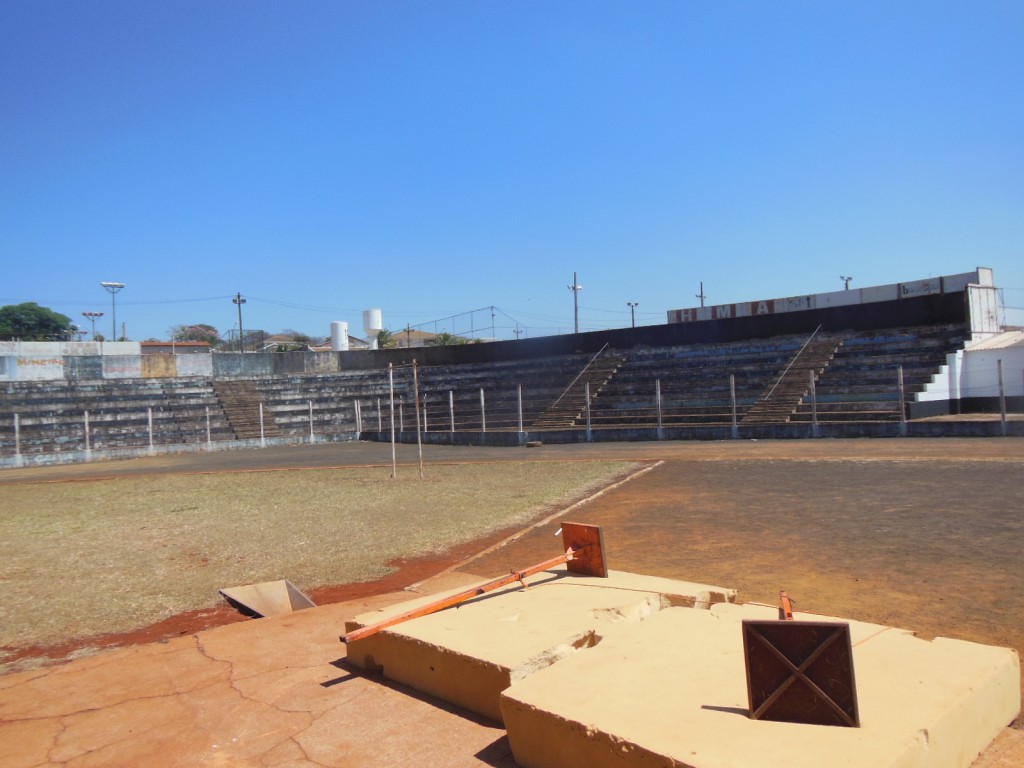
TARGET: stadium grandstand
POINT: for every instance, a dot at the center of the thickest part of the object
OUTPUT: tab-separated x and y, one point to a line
924	358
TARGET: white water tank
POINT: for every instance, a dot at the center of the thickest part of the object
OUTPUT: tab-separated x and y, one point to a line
339	336
373	324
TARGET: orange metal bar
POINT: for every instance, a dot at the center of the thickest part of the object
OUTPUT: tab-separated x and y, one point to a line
786	611
461	597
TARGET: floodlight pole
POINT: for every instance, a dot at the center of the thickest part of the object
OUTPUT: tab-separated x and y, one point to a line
113	288
632	310
92	319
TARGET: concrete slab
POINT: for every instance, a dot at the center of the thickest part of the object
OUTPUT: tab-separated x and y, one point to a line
268	598
468	655
672	691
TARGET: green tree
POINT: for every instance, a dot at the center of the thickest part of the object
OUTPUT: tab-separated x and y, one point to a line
196	332
386	339
446	340
31	322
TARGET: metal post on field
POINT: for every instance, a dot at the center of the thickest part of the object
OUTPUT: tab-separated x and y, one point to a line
483	412
657	404
391	391
149	420
586	401
451	409
903	408
814	406
209	439
359	416
263	439
732	401
416	404
311	438
519	404
380	424
1002	396
17	440
88	445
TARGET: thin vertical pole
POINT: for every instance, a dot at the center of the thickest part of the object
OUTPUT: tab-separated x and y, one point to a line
814	405
519	404
391	390
17	436
263	440
657	402
451	409
1002	396
903	408
401	414
586	400
483	412
380	425
311	438
359	416
416	404
209	439
88	446
149	420
426	425
732	400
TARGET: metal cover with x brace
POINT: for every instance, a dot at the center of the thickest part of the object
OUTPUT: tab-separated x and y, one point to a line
800	672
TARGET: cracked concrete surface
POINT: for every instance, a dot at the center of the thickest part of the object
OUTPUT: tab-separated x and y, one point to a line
272	692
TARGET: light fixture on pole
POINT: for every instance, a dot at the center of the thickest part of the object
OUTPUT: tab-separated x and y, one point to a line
92	319
632	310
113	288
575	288
846	282
241	334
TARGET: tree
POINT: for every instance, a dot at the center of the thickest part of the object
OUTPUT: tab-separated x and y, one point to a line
31	322
385	339
196	332
446	340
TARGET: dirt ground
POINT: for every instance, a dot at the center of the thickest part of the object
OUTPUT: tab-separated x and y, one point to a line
925	534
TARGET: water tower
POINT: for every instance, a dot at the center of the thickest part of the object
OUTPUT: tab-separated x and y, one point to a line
339	336
373	325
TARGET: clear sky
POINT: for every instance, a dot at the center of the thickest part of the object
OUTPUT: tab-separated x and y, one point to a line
433	158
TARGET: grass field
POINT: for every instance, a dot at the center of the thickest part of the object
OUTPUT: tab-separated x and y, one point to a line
84	558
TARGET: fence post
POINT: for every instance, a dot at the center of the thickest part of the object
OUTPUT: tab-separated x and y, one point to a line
519	403
209	439
88	445
657	402
359	417
391	389
586	400
1002	396
451	409
263	439
416	405
483	412
903	407
814	406
149	421
401	414
311	438
380	425
732	400
17	440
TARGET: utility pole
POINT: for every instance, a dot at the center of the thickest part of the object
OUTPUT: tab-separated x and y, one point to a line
241	334
518	331
701	295
632	310
575	288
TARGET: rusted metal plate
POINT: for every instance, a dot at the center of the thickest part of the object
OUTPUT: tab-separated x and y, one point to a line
800	672
588	544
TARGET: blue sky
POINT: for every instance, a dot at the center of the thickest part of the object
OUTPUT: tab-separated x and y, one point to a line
433	158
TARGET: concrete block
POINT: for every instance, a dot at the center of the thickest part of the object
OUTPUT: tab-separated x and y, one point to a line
468	655
672	691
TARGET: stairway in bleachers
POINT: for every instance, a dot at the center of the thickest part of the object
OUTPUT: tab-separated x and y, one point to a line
241	403
789	389
568	409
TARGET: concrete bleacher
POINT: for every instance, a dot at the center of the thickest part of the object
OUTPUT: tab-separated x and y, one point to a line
701	385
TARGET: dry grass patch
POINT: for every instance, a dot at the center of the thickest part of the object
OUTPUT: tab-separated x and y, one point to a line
85	558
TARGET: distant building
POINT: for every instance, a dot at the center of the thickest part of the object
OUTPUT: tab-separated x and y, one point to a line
174	347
